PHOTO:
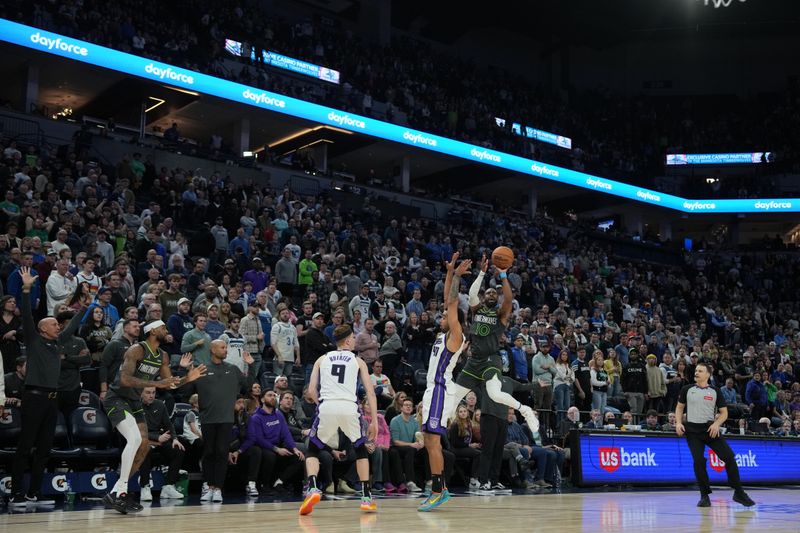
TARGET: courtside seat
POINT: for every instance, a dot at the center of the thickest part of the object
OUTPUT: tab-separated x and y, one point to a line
178	414
91	431
10	429
89	399
62	449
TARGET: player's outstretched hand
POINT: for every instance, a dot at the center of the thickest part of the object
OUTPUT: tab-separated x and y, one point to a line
196	372
463	267
484	263
451	265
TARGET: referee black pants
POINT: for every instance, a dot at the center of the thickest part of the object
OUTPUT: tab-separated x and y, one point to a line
39	416
697	442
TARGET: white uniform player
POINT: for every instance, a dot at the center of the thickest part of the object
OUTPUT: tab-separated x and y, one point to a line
338	407
441	396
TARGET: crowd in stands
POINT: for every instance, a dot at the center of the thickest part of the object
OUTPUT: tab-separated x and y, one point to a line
271	274
613	136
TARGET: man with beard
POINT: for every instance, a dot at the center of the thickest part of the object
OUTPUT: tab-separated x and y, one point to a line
144	362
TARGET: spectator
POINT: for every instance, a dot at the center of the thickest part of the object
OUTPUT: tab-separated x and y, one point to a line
164	444
656	385
391	350
634	382
285	344
459	434
60	287
197	341
599	378
405	448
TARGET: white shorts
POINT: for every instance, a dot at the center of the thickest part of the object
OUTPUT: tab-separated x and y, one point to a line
333	415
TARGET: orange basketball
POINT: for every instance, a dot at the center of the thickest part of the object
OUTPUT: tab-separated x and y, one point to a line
502	257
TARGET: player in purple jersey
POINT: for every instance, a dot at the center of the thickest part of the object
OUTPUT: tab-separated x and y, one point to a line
439	403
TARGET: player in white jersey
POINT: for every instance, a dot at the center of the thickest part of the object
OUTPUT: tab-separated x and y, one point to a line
442	396
334	387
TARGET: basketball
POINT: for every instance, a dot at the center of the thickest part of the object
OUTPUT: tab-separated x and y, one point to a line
502	257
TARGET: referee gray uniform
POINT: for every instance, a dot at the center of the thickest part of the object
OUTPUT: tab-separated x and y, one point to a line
702	404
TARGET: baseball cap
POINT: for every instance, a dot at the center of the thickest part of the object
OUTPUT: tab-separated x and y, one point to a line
257	259
318	315
230	262
184	300
210	306
101	290
525	325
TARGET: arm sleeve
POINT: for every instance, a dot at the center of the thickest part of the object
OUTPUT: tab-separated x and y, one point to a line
474	289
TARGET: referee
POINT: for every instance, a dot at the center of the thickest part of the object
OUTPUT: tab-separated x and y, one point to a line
701	402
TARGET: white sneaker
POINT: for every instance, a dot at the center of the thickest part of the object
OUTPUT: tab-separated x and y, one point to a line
204	490
530	418
252	490
217	496
146	495
412	487
169	492
208	496
474	484
485	489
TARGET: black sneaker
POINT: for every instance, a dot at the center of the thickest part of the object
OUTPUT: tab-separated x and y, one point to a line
704	501
743	498
132	505
18	500
112	501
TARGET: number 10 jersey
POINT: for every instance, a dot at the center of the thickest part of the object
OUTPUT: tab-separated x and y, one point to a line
338	376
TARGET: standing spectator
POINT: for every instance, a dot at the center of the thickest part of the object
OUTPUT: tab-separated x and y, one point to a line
306	268
599	381
634	382
214	327
10	331
236	344
391	350
114	352
316	344
756	397
15	283
286	273
75	355
544	370
197	342
562	383
257	276
583	380
178	324
60	286
171	296
285	344
656	385
253	334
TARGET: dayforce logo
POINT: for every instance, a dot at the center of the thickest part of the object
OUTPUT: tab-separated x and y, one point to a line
264	99
346	120
766	206
58	44
169	74
418	138
694	206
543	170
743	460
612	458
648	196
598	184
483	155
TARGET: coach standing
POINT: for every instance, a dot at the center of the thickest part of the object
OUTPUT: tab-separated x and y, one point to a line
701	402
39	399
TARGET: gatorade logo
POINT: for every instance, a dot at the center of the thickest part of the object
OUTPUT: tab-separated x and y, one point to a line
544	170
84	398
346	120
90	416
58	44
99	482
168	74
612	458
418	138
5	485
767	206
483	155
743	460
6	418
59	483
264	99
598	184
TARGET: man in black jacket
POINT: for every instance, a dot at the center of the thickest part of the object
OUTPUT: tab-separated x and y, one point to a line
634	382
39	400
162	437
316	344
74	355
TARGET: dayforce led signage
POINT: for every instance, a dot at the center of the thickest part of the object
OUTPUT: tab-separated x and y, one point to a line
69	48
647	460
747	158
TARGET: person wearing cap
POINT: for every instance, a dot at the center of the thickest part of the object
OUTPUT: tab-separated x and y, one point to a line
178	324
257	276
656	385
214	327
103	301
143	363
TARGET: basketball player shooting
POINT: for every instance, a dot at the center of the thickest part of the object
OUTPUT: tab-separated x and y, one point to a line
484	366
335	375
440	400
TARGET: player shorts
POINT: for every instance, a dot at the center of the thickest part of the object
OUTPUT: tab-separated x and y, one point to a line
438	408
333	415
478	370
116	407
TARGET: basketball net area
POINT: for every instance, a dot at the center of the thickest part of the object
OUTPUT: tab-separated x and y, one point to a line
719	3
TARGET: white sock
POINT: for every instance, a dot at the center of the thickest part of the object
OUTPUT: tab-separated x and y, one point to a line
133	438
120	487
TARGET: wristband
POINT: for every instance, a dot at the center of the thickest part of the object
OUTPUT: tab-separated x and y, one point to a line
503	275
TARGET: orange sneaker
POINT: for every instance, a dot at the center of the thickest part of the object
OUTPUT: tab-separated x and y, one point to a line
313	496
368	504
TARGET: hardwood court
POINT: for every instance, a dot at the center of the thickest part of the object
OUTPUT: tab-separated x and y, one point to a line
596	512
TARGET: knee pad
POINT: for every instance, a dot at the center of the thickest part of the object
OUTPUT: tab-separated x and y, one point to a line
362	452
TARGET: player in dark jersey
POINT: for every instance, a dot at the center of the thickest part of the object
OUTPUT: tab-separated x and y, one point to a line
440	401
145	365
484	366
706	411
